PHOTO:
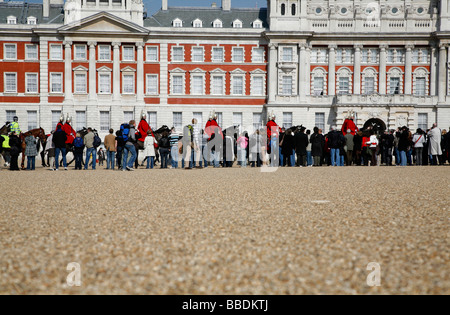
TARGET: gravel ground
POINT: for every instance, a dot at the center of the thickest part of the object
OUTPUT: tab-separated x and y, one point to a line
226	231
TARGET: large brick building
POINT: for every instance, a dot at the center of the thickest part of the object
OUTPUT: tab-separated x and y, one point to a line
311	62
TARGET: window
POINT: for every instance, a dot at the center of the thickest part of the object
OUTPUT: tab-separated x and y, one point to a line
318	86
104	83
31	20
177	23
104	121
11	20
56	83
197	23
80	120
395	55
293	9
320	121
395	86
31	52
369	84
423	121
10	115
258	85
217	85
80	52
287	54
237	24
31	82
178	54
238	54
153	120
258	55
104	53
197	85
237	121
287	85
199	117
56	114
128	53
10	52
238	85
283	9
197	54
32	120
217	54
217	24
287	120
344	55
56	52
10	82
128	116
128	84
152	84
178	120
257	24
421	84
344	86
177	85
152	53
219	118
80	83
257	121
415	56
319	56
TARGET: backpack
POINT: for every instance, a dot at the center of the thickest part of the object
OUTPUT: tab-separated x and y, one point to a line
125	131
78	142
97	141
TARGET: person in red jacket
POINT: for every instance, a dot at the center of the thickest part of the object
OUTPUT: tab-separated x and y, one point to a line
61	122
70	132
272	125
143	129
212	125
349	123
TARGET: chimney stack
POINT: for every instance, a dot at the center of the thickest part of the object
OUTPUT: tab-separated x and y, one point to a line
46	9
226	5
165	5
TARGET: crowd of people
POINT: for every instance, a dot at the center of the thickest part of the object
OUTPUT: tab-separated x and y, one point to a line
197	147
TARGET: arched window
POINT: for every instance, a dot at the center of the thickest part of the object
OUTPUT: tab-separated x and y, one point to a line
369	81
319	82
294	9
344	81
283	9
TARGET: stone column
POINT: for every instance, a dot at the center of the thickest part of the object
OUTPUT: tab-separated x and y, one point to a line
383	60
116	71
433	71
357	70
332	69
408	69
442	72
68	71
92	72
273	76
303	71
308	70
140	72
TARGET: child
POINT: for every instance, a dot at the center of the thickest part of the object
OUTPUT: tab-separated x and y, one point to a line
149	150
242	143
78	148
30	152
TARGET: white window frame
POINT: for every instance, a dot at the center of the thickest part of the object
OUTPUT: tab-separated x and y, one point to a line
217	23
177	73
395	73
257	24
197	23
5	57
31	20
213	59
27	81
285	91
78	124
369	73
27	52
198	73
148	54
319	56
253	86
285	57
11	20
420	121
56	114
320	124
197	49
238	73
148	89
319	73
421	73
173	59
263	55
125	57
100	74
101	53
6	85
233	57
257	121
153	116
53	48
52	78
344	56
103	126
217	73
201	88
177	23
347	74
76	52
133	76
176	116
288	119
76	83
31	122
237	23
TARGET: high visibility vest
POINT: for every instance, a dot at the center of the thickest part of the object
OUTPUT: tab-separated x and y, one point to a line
15	128
6	143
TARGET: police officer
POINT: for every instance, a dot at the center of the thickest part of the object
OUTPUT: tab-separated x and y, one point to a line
14	127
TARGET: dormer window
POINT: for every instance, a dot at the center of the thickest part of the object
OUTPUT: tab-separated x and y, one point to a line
257	24
237	24
177	23
217	24
12	20
197	23
31	20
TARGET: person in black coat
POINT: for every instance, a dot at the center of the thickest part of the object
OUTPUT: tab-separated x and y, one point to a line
16	149
301	143
317	145
288	148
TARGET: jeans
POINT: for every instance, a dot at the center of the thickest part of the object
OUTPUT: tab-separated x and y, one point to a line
403	158
78	160
215	156
129	148
342	160
164	152
174	156
63	152
242	157
90	151
119	156
409	156
281	158
110	160
309	158
419	154
335	158
150	162
31	163
397	157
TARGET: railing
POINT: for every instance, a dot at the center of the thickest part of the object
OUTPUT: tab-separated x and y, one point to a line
345	23
396	23
320	23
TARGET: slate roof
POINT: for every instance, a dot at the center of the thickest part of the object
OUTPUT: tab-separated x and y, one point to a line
22	11
207	15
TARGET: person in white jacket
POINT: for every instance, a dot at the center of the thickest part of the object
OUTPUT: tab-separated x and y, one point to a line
419	140
373	144
149	150
50	149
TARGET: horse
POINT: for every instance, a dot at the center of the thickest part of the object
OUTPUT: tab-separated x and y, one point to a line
5	129
158	135
36	133
69	148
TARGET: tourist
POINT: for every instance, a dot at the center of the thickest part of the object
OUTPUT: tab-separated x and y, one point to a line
443	156
101	156
317	145
242	144
434	146
288	148
301	144
349	147
357	147
50	149
78	148
110	143
127	163
16	149
59	139
174	138
418	142
149	149
309	148
90	150
164	149
31	152
334	143
373	145
403	145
